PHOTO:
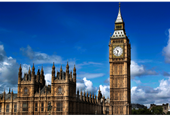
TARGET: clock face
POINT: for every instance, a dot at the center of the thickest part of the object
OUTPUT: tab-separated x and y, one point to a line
117	51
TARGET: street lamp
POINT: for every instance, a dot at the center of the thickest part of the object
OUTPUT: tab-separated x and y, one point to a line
49	107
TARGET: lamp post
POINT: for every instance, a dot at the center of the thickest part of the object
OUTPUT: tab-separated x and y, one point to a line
49	107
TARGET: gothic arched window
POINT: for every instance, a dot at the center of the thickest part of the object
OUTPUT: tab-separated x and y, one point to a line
115	69
42	106
25	90
59	90
120	69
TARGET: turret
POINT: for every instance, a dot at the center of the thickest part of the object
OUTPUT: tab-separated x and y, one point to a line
29	71
4	94
38	76
87	97
12	95
33	74
71	76
93	98
67	72
81	95
42	76
19	75
78	94
84	96
57	74
9	91
99	95
90	98
74	74
60	73
53	73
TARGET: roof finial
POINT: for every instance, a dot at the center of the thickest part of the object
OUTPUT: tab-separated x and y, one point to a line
119	4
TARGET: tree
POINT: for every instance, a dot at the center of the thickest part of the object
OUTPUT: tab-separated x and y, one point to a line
141	111
168	113
157	110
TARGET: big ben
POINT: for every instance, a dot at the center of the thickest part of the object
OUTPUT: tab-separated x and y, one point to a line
119	59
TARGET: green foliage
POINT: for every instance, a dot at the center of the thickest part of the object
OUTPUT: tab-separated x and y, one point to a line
168	113
141	111
157	110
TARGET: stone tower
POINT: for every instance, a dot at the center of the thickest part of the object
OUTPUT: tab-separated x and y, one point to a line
119	59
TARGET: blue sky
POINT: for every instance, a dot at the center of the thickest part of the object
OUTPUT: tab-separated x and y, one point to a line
43	33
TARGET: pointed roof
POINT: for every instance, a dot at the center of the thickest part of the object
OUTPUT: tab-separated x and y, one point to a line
119	17
61	69
67	65
74	68
42	71
33	68
29	71
20	67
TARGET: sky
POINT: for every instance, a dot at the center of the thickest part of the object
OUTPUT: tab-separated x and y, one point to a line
79	32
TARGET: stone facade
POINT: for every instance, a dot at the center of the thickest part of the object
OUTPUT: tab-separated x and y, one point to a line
119	59
34	96
165	107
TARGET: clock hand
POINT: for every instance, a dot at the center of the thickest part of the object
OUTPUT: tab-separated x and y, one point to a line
117	52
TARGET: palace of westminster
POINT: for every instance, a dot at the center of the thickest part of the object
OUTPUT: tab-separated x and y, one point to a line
61	97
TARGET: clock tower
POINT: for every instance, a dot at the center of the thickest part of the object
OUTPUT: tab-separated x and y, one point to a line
119	59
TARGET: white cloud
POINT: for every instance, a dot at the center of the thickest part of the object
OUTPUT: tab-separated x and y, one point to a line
105	90
107	80
140	70
166	50
137	81
86	85
91	75
48	79
144	61
40	58
148	95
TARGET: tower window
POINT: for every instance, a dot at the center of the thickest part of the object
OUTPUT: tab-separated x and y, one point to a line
118	27
42	106
25	90
59	90
121	110
25	106
15	108
115	69
7	108
60	106
120	69
35	106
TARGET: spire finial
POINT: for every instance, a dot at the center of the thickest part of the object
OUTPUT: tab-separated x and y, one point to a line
42	67
33	67
61	69
119	4
74	68
20	67
53	66
67	67
29	71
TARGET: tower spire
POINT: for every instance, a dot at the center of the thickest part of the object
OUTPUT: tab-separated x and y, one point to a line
119	27
119	16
